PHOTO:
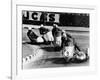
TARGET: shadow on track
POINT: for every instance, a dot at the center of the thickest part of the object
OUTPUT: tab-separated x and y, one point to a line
63	61
57	60
48	49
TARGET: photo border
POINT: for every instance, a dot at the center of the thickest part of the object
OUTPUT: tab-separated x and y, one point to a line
14	72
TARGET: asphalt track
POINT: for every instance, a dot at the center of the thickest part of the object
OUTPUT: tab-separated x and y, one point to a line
44	56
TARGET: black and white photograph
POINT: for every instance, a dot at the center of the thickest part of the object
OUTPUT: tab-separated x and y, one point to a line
55	39
50	40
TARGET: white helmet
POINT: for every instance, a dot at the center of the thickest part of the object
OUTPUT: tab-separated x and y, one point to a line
42	25
29	28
